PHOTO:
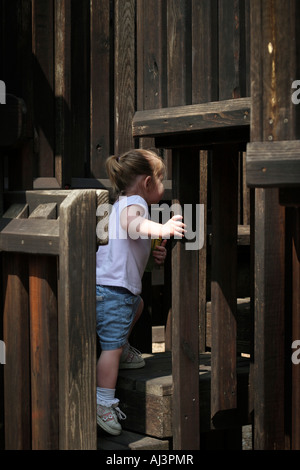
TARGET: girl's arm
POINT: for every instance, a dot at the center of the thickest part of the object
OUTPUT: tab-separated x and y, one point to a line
136	225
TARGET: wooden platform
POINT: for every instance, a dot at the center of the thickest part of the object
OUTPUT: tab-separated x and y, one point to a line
146	397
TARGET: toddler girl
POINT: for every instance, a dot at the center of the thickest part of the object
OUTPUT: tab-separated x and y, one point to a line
137	178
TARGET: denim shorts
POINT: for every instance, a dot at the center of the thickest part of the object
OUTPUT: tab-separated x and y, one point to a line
116	308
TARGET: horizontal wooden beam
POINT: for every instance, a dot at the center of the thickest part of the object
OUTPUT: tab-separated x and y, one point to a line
193	118
273	164
30	236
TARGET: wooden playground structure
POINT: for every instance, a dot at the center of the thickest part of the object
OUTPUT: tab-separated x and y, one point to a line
211	85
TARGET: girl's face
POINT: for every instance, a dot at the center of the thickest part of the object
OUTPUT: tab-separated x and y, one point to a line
155	190
155	187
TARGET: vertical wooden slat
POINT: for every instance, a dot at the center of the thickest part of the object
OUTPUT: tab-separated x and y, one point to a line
43	75
17	367
295	444
151	58
224	279
205	78
101	83
62	70
76	322
125	89
179	52
185	336
80	91
204	18
43	345
231	60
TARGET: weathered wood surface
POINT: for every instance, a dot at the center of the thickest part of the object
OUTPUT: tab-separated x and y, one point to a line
275	55
76	322
185	319
153	388
273	164
224	279
244	326
128	440
197	117
17	399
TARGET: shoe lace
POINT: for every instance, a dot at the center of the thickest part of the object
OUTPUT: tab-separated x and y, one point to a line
119	413
134	350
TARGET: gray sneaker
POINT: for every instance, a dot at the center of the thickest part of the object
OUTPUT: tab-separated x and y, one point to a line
131	358
107	418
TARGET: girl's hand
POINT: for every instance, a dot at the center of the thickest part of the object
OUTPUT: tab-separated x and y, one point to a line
174	227
160	253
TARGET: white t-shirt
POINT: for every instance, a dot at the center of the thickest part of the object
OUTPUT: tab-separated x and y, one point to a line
123	260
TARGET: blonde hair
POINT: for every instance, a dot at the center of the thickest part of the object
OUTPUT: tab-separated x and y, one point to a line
124	169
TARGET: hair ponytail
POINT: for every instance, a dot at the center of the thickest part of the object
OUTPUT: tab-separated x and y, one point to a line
123	170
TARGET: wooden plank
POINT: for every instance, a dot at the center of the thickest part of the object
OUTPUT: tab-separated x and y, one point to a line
131	441
44	211
151	59
295	406
76	322
43	85
185	329
273	164
101	86
274	58
43	352
16	337
80	88
179	54
269	321
62	80
224	279
29	236
198	117
203	194
42	272
205	78
124	74
232	57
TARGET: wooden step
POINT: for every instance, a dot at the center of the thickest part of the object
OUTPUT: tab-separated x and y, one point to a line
146	396
130	441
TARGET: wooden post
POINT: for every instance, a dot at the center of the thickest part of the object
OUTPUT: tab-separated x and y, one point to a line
42	272
77	322
185	334
224	280
295	441
43	352
273	62
16	338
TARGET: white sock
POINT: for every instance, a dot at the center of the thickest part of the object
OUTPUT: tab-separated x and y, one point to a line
106	396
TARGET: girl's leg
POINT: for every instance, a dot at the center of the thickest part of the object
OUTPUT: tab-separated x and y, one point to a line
107	368
137	316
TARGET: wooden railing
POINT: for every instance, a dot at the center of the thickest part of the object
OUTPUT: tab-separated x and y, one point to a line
48	245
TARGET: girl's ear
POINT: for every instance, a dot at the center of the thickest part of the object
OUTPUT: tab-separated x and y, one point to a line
147	182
